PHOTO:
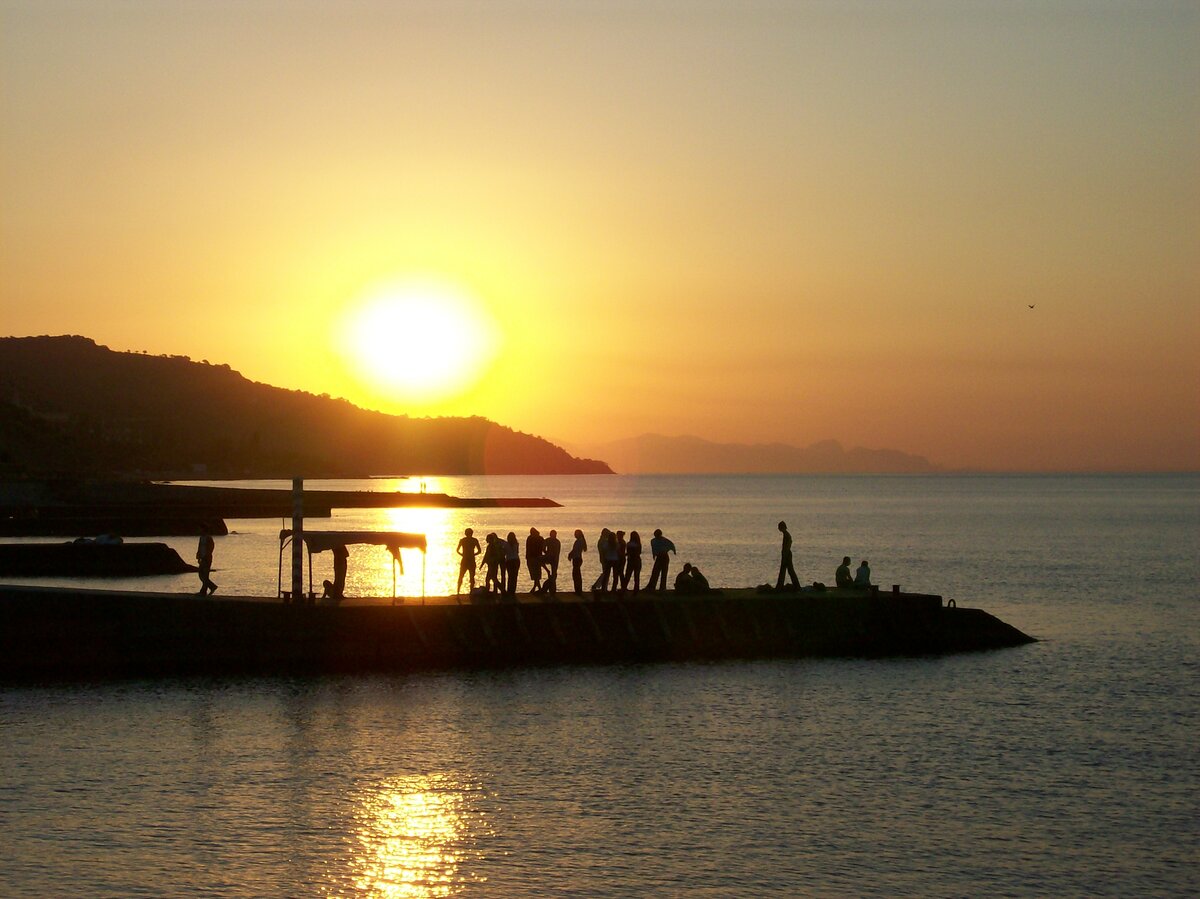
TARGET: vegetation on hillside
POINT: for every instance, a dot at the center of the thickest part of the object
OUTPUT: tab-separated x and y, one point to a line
70	406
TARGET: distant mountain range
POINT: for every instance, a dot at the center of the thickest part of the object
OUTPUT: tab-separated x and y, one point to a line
655	454
70	406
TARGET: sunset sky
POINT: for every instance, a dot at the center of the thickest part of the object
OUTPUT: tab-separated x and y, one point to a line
749	222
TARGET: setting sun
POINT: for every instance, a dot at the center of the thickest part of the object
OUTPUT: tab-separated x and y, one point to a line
419	342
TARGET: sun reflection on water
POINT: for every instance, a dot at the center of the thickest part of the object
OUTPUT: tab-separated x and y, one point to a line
438	526
416	836
370	569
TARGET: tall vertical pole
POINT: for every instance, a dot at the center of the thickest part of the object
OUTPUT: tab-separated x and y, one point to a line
297	539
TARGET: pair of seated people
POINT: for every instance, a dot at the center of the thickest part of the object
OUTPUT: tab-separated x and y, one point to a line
862	577
691	580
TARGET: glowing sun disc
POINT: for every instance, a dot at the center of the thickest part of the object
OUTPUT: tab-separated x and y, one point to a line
418	341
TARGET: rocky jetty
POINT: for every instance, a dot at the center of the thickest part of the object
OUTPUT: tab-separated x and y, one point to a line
90	559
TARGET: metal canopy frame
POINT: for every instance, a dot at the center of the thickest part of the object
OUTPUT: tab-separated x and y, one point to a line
320	541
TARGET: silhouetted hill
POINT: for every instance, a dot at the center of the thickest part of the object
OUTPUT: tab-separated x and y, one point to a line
70	406
655	454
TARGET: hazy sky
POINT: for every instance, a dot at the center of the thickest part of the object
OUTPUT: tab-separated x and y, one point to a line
746	221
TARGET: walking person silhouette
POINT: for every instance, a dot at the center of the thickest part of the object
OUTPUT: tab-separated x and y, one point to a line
785	559
204	557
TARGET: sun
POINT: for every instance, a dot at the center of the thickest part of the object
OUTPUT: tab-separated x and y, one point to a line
419	342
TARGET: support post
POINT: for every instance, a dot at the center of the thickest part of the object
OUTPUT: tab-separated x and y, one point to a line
298	593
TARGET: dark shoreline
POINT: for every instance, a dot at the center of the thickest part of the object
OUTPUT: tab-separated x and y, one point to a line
55	634
81	508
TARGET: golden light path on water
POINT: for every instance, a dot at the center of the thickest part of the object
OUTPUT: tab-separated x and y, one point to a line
415	836
370	567
437	525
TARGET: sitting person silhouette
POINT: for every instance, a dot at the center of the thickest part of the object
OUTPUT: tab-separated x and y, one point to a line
843	578
336	589
862	577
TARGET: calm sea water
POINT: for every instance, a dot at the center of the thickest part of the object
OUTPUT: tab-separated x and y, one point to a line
1068	767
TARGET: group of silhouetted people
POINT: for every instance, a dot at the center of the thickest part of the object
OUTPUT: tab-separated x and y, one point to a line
620	558
501	559
842	578
620	565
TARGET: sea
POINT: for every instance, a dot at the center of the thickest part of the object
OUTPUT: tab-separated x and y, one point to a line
1068	767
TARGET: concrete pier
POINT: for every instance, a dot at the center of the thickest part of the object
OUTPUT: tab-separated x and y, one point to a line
48	633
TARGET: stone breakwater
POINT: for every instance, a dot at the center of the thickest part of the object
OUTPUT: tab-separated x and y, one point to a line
78	508
89	560
50	633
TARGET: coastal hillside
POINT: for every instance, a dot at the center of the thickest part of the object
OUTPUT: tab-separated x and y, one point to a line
655	454
71	406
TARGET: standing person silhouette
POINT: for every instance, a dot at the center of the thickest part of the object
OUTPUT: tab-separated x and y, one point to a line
550	561
204	557
535	549
606	554
512	564
785	559
612	562
578	548
633	562
468	549
493	560
659	547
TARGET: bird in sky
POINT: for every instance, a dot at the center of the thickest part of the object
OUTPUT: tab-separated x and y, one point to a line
1031	305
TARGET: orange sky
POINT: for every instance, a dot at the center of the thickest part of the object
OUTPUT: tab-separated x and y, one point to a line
748	222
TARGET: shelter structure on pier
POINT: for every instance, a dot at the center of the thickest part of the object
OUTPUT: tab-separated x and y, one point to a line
323	541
